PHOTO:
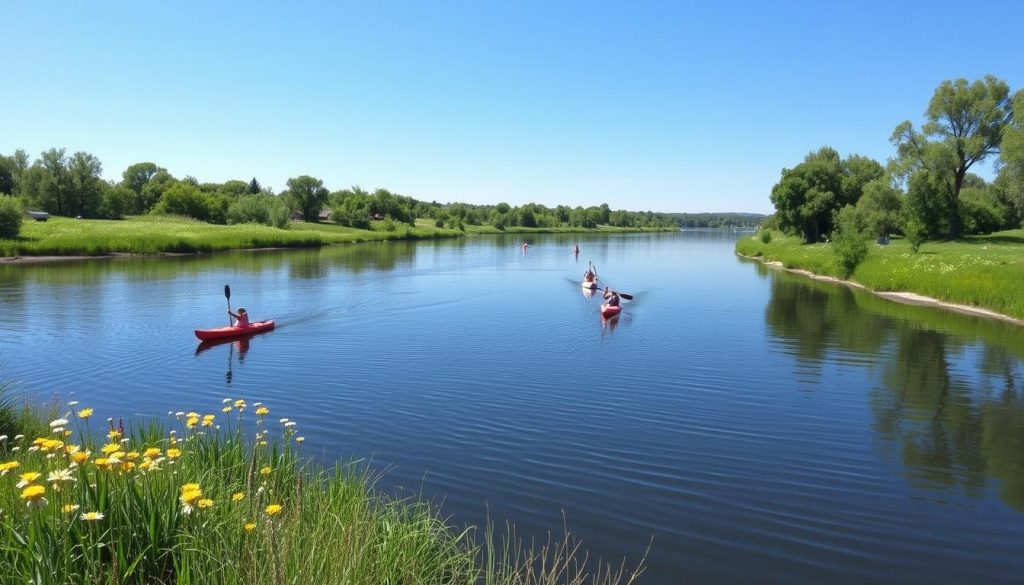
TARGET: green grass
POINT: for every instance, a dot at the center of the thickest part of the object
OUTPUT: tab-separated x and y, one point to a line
154	234
200	500
980	271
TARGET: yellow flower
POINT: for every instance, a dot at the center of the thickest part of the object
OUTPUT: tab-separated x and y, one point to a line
192	422
80	457
110	448
173	454
114	434
265	471
262	411
237	497
27	478
5	467
102	463
208	420
249	526
92	516
152	453
192	414
85	413
273	509
239	404
132	455
33	495
206	503
70	508
128	466
226	409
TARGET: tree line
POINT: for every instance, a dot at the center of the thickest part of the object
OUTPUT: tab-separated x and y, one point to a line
72	185
926	191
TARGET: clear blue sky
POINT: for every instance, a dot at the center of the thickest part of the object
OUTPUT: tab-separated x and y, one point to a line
663	106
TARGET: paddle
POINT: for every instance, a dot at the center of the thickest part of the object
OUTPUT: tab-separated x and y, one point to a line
626	296
227	295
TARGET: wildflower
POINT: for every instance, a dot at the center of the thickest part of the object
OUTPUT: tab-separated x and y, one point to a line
273	510
283	420
73	403
237	497
80	457
262	411
226	409
102	463
19	437
59	476
192	422
152	453
240	404
192	414
300	439
3	438
289	424
190	496
225	401
70	508
92	516
5	467
114	434
28	478
265	471
60	422
57	430
173	454
208	420
33	495
110	448
132	455
249	526
85	413
205	503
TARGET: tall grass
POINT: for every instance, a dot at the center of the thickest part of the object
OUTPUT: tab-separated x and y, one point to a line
228	498
980	271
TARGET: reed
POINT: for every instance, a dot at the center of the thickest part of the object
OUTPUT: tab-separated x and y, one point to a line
226	498
979	271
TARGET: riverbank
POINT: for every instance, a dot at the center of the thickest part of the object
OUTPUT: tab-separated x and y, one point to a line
980	275
63	238
226	498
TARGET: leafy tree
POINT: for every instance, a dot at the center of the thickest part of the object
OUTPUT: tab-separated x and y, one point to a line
308	195
136	177
259	208
965	124
153	191
848	243
10	217
1011	175
6	176
254	186
47	182
879	211
116	202
184	199
86	185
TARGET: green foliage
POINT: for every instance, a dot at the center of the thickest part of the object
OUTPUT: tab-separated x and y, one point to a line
185	200
262	208
965	124
766	236
915	232
6	176
982	211
849	244
10	217
116	202
307	195
879	211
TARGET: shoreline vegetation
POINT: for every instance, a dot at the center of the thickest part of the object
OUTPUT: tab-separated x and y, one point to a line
979	275
229	497
62	238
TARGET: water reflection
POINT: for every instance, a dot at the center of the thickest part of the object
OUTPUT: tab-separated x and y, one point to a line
236	346
948	401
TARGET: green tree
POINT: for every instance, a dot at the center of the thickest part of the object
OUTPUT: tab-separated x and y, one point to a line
6	176
116	202
254	186
307	195
86	185
1011	154
879	212
10	217
184	199
136	177
965	124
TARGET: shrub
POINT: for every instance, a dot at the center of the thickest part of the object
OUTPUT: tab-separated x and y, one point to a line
849	243
10	217
263	209
766	236
184	199
915	233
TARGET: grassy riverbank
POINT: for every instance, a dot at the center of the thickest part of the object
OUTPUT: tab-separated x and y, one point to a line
981	271
226	498
152	234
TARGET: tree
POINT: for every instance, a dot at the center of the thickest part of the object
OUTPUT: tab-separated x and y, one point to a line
136	176
965	124
254	186
879	211
308	195
10	217
1011	154
86	185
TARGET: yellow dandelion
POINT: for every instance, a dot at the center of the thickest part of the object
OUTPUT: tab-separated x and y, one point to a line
85	413
262	411
273	510
152	453
173	454
249	526
92	516
114	434
237	497
5	467
132	455
33	495
27	478
265	471
70	508
80	457
239	404
226	409
192	422
205	503
110	448
102	463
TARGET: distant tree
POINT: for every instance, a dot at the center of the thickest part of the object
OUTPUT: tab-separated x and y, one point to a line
184	199
47	182
965	124
137	175
153	191
86	185
233	189
254	186
116	201
879	212
6	176
308	195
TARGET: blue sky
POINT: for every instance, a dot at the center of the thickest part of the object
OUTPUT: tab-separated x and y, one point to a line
662	106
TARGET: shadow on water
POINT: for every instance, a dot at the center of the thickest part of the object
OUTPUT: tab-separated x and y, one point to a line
949	402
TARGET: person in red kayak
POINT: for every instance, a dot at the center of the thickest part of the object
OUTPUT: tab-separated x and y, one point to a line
611	298
241	317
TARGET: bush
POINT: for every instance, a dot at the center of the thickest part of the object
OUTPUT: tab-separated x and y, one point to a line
263	209
184	199
915	233
849	242
766	236
10	217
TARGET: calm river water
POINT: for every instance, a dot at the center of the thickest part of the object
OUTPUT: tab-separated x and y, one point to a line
749	425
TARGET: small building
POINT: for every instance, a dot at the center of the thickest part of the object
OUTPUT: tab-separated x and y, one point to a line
38	215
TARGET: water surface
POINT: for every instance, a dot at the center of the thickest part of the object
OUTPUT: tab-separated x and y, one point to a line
758	426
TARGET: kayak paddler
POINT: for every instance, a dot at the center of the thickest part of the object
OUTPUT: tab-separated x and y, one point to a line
241	317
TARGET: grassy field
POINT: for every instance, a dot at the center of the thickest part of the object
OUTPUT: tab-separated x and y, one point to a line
226	497
980	271
153	234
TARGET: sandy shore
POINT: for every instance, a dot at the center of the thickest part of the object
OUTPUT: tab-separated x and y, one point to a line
900	297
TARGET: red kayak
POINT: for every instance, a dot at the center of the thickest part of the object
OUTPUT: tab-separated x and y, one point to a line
610	311
226	332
